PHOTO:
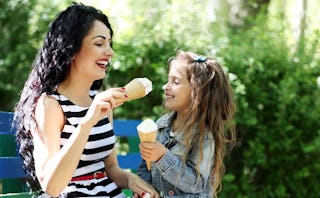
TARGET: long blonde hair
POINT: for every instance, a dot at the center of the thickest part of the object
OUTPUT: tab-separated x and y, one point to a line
212	109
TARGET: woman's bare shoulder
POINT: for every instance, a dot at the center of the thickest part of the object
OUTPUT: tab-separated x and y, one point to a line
47	103
49	109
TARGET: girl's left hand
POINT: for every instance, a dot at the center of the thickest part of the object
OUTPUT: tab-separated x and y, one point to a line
152	151
140	187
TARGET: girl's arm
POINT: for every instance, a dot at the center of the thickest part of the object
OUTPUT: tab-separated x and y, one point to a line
179	174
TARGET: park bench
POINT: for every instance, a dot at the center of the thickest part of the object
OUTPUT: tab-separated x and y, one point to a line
12	177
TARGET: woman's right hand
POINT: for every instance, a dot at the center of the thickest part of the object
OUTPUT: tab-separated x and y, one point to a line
141	188
103	103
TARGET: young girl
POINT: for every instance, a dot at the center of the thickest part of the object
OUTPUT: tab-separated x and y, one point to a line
191	144
64	122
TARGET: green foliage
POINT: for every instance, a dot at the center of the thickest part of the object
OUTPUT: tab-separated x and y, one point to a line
23	24
277	118
142	60
143	50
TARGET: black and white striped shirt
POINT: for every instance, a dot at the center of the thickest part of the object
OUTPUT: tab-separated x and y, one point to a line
100	144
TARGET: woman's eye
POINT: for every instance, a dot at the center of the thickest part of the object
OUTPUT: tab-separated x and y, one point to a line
99	44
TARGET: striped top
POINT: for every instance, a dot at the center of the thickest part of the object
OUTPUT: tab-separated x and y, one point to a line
100	144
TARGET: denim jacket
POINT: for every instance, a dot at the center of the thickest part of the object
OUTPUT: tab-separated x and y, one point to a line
170	176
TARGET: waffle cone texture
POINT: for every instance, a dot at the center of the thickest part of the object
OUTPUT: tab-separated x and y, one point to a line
135	89
148	137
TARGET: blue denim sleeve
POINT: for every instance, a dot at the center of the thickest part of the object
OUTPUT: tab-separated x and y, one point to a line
183	175
144	173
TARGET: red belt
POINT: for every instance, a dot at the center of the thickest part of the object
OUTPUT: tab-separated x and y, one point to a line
96	175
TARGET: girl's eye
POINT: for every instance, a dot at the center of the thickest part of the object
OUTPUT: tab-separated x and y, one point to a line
99	44
176	82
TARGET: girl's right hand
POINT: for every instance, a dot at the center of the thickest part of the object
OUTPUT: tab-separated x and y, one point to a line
103	103
152	151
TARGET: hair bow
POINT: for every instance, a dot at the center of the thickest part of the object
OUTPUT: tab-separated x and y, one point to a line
200	59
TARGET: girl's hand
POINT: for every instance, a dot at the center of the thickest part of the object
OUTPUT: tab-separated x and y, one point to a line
152	151
103	103
140	187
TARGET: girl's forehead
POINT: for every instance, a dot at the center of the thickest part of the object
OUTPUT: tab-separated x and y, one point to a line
177	68
178	65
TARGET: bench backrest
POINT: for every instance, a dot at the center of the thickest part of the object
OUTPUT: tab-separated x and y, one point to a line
11	164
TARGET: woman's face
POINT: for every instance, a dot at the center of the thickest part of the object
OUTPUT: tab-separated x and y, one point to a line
177	90
95	53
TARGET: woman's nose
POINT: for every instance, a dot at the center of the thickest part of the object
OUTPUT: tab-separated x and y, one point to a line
109	51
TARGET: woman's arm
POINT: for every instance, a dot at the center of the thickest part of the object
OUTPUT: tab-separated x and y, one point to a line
125	179
144	173
55	166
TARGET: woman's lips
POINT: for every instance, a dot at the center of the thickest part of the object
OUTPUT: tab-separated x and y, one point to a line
103	63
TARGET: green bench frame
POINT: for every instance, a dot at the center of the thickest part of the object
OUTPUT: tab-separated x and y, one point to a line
12	177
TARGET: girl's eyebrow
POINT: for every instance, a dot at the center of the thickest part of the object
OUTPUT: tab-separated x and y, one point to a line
174	77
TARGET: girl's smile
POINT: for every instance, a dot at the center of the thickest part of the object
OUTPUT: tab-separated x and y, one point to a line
177	90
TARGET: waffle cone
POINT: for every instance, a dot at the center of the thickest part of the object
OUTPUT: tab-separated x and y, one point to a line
135	89
148	137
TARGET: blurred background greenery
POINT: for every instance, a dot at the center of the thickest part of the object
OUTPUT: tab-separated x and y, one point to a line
270	50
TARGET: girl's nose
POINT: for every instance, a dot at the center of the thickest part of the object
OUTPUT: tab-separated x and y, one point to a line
164	87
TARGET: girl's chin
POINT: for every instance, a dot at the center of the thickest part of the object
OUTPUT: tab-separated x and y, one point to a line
169	106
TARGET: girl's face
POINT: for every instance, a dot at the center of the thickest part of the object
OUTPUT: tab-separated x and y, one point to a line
177	90
95	53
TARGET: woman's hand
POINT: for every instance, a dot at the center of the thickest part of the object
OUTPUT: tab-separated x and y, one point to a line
140	187
152	151
103	103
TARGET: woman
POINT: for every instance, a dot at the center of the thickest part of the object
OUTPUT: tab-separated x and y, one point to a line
64	125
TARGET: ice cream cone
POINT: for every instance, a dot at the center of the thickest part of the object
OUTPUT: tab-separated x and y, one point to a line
138	88
147	132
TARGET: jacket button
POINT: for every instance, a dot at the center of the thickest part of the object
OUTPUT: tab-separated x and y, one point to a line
170	193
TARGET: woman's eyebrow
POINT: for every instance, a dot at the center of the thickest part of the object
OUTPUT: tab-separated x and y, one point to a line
99	36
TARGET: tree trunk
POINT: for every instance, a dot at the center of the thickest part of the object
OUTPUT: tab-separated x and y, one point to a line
301	43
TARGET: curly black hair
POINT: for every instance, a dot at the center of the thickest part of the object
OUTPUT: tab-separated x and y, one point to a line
51	67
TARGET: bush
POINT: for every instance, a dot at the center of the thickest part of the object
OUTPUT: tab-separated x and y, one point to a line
277	117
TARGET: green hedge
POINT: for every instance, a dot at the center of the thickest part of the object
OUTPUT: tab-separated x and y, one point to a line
277	119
